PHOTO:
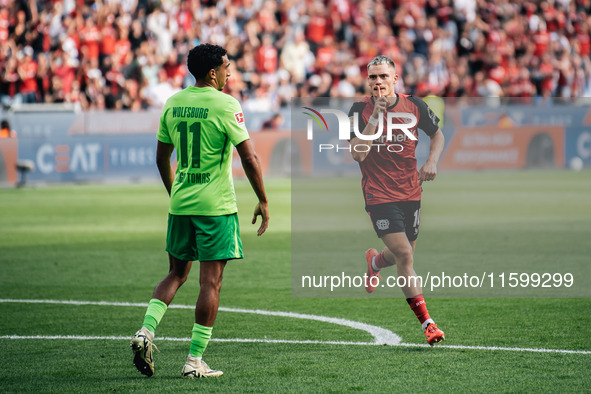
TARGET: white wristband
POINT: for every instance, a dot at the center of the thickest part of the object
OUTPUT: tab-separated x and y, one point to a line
373	121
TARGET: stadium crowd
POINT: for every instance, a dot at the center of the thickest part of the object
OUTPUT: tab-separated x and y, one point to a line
130	54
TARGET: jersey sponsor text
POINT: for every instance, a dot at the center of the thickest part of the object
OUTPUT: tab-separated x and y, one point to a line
190	112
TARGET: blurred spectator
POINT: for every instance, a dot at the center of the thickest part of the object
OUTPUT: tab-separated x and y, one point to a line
266	56
27	71
259	101
274	123
5	130
157	94
10	81
111	54
296	56
505	121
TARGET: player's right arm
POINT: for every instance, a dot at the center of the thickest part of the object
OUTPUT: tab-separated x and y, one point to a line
163	154
252	169
358	152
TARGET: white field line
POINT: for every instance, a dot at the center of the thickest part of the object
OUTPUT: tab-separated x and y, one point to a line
243	340
385	340
246	340
509	349
381	335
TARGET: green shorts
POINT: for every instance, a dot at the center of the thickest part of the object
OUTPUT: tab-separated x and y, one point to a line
204	238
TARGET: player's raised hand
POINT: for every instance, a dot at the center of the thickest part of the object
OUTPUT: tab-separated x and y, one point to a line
381	104
261	209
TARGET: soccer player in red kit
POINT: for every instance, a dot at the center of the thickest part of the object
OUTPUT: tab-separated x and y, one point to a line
390	180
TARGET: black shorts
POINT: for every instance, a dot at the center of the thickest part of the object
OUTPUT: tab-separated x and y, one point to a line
396	217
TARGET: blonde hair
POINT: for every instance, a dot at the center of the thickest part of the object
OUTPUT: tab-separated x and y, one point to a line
381	59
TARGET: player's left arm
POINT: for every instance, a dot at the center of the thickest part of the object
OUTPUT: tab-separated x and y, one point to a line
252	168
429	123
235	129
429	170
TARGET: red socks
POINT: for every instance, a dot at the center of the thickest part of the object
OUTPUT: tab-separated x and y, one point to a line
416	303
381	262
418	306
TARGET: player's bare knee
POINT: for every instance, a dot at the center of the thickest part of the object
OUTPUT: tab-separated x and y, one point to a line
183	278
179	277
403	257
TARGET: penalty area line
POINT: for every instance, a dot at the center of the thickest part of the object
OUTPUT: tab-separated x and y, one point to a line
299	342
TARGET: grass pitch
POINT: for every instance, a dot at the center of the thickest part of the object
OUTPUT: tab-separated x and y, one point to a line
106	243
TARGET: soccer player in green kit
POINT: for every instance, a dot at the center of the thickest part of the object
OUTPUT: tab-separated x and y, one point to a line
202	124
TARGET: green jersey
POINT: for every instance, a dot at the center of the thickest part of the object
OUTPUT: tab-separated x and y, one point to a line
202	124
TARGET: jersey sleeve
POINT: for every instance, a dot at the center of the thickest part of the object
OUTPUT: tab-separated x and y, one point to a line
233	122
428	121
357	108
163	134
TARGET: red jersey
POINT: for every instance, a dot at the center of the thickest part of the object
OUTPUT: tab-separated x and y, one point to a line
541	41
4	25
317	28
266	59
122	48
91	39
389	172
29	79
584	44
109	40
325	56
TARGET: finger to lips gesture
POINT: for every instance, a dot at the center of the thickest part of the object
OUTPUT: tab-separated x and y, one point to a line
381	104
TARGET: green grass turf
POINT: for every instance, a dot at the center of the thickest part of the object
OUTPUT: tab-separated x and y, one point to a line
105	243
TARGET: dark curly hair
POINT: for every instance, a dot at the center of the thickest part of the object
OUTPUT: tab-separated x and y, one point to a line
203	58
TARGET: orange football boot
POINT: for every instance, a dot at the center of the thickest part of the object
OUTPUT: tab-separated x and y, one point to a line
434	335
369	254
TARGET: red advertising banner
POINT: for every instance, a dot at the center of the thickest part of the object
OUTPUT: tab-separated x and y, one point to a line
275	150
494	147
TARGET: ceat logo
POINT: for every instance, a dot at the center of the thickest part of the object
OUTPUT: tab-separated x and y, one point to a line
239	118
66	158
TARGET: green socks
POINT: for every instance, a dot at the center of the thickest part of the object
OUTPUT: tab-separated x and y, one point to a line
199	339
156	309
